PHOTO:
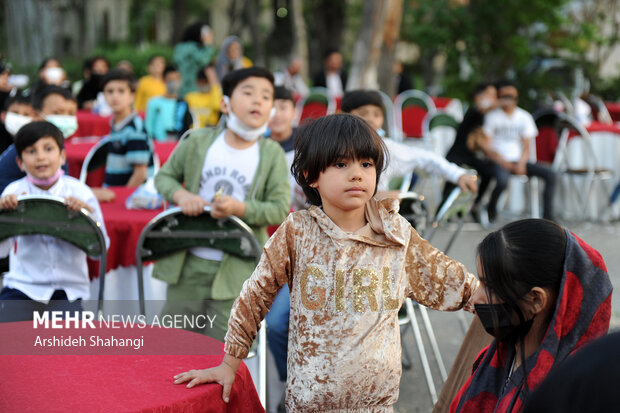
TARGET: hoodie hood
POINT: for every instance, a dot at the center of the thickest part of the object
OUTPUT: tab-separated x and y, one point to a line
582	314
385	226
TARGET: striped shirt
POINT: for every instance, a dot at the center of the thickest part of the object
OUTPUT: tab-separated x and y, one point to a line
129	146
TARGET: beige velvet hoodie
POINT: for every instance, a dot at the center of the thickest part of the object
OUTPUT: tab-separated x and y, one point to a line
346	290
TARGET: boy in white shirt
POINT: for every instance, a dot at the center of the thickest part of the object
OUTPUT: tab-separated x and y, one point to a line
45	273
512	130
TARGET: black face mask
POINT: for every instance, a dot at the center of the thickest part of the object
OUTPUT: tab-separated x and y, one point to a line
505	331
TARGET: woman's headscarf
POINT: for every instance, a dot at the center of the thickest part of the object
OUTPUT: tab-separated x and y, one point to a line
582	314
224	64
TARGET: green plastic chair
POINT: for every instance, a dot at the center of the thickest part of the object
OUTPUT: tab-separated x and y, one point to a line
172	231
49	215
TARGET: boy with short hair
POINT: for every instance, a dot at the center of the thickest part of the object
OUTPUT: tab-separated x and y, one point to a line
168	116
17	112
237	172
44	268
368	105
130	157
54	104
205	102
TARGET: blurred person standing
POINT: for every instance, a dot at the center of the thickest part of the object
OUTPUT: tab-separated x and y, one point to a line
231	57
205	102
152	84
193	52
333	76
291	79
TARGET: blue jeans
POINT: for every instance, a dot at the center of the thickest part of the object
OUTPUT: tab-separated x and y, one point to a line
277	329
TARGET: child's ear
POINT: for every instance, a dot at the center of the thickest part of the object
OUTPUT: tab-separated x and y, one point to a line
63	156
223	106
20	164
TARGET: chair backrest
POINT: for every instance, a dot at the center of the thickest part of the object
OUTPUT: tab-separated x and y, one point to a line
411	106
441	142
49	215
95	158
172	231
389	123
414	210
316	104
602	113
572	153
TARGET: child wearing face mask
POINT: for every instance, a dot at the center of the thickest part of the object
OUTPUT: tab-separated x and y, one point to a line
168	116
17	112
52	103
237	172
205	102
45	273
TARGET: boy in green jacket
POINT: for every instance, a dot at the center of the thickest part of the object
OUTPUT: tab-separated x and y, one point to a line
237	172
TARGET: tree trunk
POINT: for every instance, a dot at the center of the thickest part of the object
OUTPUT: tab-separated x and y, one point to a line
220	22
391	31
179	14
300	48
325	32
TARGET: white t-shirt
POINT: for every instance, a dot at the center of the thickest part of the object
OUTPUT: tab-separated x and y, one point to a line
228	168
508	131
41	264
334	84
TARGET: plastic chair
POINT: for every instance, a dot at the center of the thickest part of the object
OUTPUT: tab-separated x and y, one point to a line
439	119
171	231
576	160
316	104
411	106
49	215
98	156
389	124
95	158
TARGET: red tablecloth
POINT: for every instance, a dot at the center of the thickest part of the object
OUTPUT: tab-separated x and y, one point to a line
119	383
90	124
614	110
124	227
77	151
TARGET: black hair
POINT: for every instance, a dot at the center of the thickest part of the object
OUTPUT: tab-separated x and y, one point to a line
280	92
39	97
330	51
87	63
168	69
155	56
30	133
232	79
321	143
98	57
46	61
357	98
520	256
505	83
119	74
481	87
193	33
19	98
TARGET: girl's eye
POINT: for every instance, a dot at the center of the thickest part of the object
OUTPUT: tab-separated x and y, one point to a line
340	164
367	164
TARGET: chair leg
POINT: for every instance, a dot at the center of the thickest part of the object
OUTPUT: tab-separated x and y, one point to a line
262	364
423	357
139	270
433	340
405	356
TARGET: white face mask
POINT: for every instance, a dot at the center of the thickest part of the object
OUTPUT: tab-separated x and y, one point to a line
66	123
485	103
241	129
15	121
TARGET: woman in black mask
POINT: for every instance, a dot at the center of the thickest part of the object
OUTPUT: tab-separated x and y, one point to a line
545	293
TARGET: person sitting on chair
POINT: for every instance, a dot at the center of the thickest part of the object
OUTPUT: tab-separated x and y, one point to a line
45	273
512	131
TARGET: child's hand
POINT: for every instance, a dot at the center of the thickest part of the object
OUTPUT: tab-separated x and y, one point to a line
468	183
75	204
8	202
192	204
225	206
104	194
222	374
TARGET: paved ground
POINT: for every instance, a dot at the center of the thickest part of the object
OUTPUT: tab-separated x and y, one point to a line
414	394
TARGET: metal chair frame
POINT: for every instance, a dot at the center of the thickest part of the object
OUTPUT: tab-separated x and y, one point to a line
401	100
208	238
314	94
